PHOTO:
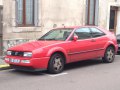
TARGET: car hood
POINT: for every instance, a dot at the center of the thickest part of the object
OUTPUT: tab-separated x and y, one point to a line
30	46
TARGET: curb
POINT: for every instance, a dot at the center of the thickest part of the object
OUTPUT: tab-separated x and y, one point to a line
4	67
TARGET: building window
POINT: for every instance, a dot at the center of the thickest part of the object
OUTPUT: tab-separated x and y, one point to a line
25	12
92	10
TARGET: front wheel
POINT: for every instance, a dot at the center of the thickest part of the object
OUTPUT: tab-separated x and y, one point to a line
109	55
56	63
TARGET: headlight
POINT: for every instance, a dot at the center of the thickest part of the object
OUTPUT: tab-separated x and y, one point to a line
9	52
27	54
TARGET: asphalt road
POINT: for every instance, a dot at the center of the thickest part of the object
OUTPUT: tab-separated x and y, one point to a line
85	75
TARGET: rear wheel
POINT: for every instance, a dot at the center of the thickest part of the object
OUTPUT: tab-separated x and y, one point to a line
109	55
56	63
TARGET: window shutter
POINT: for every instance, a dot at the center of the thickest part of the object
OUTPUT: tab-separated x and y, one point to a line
36	12
86	17
92	12
96	12
13	18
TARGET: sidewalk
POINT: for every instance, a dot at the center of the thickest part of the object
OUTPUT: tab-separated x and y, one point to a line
3	65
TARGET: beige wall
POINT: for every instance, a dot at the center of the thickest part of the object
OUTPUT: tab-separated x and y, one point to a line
1	2
62	12
51	12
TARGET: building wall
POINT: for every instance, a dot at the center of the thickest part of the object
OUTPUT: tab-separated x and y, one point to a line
104	11
52	13
1	2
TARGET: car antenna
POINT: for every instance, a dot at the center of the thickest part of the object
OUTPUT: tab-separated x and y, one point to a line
63	25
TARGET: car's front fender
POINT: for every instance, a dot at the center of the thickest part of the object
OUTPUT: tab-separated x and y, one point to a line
57	49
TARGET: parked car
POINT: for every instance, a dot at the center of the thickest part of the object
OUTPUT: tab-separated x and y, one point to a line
61	46
118	42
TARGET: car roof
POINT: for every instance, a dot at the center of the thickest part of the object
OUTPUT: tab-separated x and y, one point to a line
87	26
74	27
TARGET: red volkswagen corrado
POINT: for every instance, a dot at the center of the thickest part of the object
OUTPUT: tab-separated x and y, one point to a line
61	46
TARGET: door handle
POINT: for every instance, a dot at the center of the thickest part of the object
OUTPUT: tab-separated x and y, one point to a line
93	40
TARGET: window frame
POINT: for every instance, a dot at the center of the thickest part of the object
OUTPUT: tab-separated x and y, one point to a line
103	34
24	24
83	38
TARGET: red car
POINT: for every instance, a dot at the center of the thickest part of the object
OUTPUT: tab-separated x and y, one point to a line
61	46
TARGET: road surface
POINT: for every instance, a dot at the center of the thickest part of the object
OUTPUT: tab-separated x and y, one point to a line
85	75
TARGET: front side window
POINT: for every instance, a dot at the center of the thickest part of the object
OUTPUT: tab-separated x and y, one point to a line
96	32
57	34
25	12
83	33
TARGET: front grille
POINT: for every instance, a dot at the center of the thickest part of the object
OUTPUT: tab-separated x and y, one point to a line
17	53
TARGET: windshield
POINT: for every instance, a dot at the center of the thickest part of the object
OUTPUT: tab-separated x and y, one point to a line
57	34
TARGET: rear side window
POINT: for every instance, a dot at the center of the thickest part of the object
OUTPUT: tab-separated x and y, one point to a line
96	32
83	33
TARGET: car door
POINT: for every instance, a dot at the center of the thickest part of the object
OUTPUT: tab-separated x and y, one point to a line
100	39
84	47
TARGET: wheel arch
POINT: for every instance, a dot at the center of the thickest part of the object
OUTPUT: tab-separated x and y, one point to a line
107	57
111	45
59	50
61	53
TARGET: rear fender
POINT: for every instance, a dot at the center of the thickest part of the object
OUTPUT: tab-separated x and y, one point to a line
108	44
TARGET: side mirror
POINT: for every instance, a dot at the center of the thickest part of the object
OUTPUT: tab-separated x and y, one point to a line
75	38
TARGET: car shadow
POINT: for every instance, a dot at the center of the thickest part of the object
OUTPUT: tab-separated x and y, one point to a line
27	73
82	64
70	66
118	53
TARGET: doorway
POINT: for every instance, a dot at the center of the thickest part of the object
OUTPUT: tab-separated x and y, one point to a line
1	29
113	19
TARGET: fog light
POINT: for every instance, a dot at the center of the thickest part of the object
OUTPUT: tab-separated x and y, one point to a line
25	61
7	59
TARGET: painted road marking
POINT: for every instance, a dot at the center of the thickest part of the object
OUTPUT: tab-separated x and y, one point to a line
56	75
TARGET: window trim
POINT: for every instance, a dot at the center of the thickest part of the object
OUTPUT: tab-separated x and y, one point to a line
97	29
84	38
88	11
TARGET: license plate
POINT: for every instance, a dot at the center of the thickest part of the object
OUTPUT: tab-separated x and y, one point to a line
14	60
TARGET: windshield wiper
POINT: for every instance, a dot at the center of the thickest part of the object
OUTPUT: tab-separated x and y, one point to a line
51	39
47	39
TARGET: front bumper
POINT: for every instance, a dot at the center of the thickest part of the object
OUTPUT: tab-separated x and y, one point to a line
26	68
36	64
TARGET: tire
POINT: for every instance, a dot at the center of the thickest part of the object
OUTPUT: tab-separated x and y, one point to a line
56	63
109	55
